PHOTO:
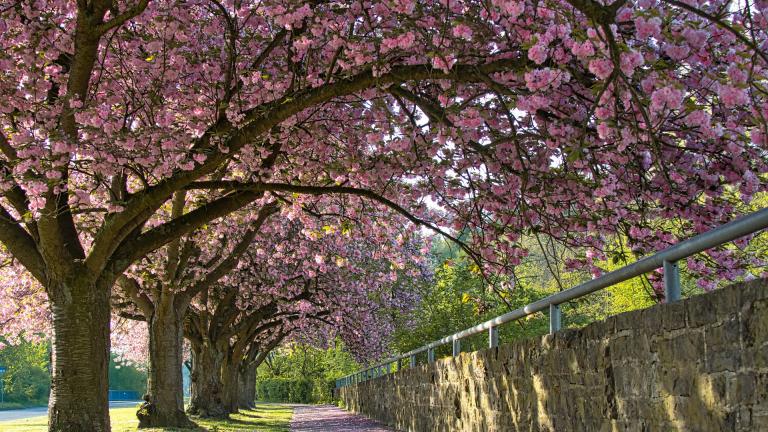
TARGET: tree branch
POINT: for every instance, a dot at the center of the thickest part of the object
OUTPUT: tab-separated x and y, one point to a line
328	190
226	265
123	17
22	246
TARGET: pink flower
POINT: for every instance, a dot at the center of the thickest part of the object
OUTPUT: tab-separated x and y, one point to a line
699	118
667	97
631	61
538	54
757	137
695	38
512	8
677	52
731	96
648	28
444	63
403	41
737	74
545	78
462	31
583	50
602	68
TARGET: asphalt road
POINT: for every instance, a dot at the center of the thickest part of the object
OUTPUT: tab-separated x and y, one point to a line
43	411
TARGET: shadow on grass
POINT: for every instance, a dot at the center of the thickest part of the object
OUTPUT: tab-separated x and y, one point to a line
275	419
269	406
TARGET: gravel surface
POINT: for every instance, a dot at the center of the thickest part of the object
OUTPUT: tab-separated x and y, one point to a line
326	418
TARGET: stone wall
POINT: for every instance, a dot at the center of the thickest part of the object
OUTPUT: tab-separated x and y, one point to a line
697	365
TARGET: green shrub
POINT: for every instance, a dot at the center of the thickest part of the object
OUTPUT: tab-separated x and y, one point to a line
11	406
294	390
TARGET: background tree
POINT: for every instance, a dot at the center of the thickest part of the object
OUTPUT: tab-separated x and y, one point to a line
304	371
314	275
159	290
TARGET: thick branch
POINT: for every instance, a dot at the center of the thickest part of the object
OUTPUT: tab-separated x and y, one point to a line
123	17
132	289
156	237
227	264
21	245
329	190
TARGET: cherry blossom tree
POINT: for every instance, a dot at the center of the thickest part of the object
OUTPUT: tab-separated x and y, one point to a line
573	118
309	275
158	290
255	355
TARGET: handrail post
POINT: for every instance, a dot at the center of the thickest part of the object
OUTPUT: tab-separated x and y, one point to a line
413	361
430	355
555	318
456	347
671	282
493	337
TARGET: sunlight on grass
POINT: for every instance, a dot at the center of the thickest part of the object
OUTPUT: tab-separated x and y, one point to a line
264	418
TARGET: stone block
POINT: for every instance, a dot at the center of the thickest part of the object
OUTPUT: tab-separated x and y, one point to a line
672	316
723	351
685	348
633	346
754	319
710	308
628	320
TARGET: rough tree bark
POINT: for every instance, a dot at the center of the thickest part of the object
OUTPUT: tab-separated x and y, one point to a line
229	374
246	377
80	355
164	406
208	398
246	386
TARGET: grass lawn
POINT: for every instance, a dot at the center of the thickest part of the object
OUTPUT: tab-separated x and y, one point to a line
265	418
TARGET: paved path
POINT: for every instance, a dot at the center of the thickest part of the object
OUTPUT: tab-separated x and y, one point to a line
43	411
325	418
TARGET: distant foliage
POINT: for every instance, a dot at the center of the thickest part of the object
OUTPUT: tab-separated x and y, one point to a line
302	373
460	297
294	390
27	379
124	375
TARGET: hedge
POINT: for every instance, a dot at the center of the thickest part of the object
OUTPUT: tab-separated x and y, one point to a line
294	390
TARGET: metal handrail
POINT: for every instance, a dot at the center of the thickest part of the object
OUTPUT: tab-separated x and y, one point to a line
666	259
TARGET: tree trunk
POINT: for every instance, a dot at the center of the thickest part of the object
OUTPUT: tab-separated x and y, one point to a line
164	406
80	355
229	373
246	383
208	398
